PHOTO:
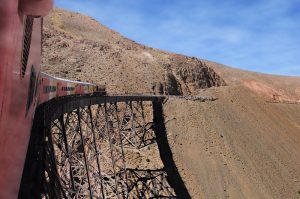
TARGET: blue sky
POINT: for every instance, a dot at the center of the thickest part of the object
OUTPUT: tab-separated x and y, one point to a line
257	35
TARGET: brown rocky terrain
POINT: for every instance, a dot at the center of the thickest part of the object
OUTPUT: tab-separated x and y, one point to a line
238	146
284	88
79	48
245	143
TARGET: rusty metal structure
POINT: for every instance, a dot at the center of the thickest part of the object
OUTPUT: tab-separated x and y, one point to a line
82	148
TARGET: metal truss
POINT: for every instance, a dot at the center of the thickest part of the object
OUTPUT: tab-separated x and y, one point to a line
149	184
86	153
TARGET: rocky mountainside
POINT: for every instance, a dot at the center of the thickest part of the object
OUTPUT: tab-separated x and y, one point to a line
77	47
243	143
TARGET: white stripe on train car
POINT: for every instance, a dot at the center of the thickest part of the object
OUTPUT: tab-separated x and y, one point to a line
66	80
68	88
71	88
52	82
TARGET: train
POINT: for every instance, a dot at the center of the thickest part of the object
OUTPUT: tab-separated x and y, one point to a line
50	87
23	86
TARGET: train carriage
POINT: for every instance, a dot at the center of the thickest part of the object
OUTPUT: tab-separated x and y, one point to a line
65	87
22	86
20	59
51	87
47	88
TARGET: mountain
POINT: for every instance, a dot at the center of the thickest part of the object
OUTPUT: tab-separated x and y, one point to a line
77	47
243	144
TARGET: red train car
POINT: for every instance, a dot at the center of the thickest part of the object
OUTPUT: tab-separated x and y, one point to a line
50	87
20	58
70	87
47	88
23	87
65	88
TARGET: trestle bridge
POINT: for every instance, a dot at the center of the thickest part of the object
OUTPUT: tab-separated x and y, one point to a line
86	146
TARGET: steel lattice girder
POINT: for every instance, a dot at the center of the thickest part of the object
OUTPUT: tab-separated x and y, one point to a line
86	153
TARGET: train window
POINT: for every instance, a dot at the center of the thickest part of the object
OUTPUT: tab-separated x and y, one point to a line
36	85
26	43
31	89
67	88
49	89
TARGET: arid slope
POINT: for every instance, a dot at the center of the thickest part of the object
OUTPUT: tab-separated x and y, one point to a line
245	144
284	88
239	146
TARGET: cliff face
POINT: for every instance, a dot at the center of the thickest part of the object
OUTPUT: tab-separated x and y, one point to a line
244	144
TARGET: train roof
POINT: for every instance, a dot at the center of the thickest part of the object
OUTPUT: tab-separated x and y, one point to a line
66	80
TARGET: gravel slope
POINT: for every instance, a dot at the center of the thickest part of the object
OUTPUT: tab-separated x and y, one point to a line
238	146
